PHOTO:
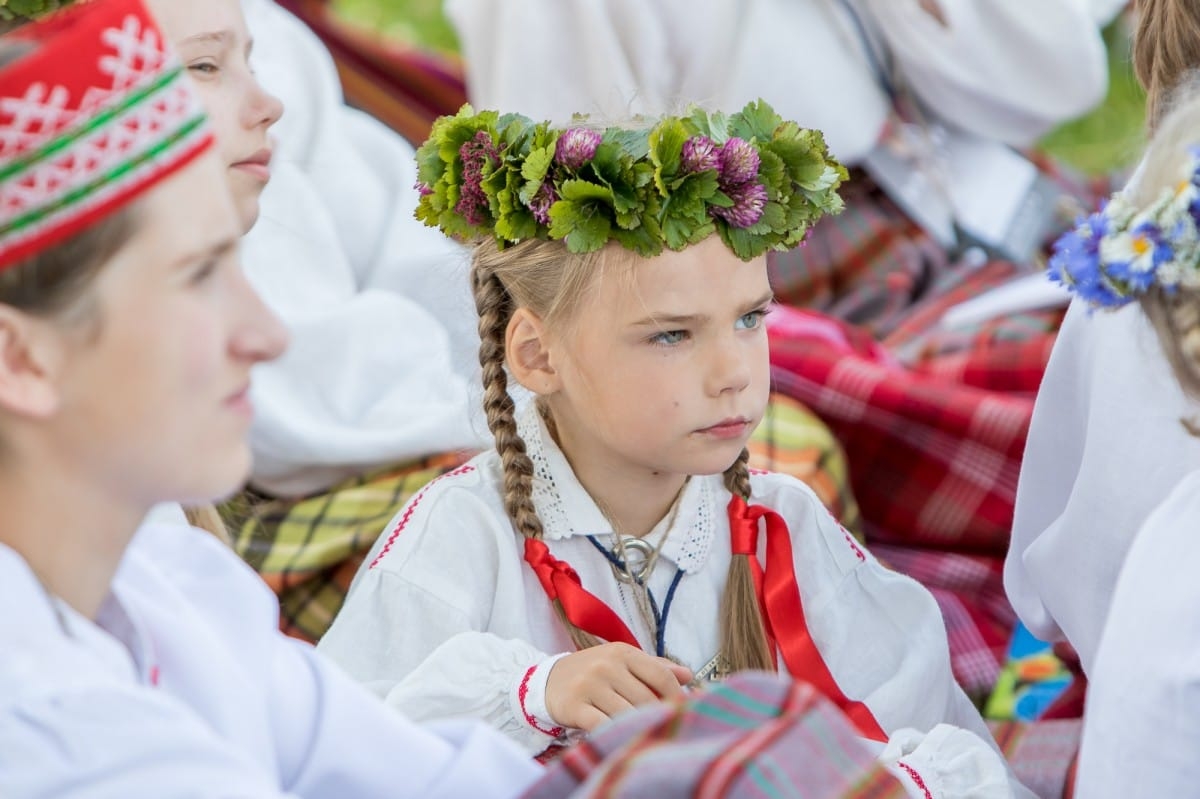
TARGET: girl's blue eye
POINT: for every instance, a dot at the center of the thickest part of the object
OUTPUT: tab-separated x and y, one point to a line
669	338
751	320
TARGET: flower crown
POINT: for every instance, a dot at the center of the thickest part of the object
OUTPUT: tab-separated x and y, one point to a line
756	180
1121	251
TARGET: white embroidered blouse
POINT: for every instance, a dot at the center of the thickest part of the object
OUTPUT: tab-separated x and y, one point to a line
446	620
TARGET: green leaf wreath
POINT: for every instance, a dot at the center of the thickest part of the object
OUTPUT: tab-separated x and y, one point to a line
751	177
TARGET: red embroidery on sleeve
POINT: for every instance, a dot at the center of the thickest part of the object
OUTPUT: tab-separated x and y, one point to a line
412	507
912	773
530	719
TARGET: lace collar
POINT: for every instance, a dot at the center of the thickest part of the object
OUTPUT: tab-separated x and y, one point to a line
566	509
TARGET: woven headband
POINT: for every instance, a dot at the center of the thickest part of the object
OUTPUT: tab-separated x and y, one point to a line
93	115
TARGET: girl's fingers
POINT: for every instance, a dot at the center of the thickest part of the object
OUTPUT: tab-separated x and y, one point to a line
588	717
609	703
657	674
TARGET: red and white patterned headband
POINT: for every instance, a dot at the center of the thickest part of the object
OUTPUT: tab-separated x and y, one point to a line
94	114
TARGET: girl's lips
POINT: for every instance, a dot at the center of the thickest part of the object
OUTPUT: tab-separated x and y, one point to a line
257	165
726	428
240	402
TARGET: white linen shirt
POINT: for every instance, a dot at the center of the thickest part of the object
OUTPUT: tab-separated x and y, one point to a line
1105	447
445	619
986	71
1141	728
185	687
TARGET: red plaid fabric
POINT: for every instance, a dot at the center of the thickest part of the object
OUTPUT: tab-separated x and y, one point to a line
755	735
931	463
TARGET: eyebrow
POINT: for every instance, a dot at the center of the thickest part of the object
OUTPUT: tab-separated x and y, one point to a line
220	37
658	320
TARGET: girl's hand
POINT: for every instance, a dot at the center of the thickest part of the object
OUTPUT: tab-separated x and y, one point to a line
587	688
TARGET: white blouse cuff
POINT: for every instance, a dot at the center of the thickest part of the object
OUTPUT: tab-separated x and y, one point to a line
529	698
948	762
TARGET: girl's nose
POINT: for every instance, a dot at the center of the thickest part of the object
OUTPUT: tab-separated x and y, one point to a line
259	333
729	370
262	108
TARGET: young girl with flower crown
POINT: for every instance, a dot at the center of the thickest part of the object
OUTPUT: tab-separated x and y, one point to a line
1142	253
614	548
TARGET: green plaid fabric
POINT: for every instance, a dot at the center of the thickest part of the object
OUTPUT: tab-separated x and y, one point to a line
309	549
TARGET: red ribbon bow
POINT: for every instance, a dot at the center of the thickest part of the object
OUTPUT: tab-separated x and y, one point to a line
782	610
582	608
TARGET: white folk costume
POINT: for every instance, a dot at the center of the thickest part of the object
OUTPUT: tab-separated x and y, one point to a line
184	683
1141	728
383	356
447	620
1105	447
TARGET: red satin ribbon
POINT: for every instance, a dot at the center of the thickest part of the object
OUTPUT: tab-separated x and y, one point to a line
583	609
782	610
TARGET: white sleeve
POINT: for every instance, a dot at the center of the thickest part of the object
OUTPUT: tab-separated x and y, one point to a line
1002	69
336	740
949	762
425	658
1053	454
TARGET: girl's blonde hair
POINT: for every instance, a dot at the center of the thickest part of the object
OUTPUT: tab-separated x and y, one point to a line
1175	315
1166	48
546	278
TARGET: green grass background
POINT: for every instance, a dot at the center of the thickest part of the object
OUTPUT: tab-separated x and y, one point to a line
1106	141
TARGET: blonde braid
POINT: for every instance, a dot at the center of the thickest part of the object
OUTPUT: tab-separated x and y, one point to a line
743	634
495	308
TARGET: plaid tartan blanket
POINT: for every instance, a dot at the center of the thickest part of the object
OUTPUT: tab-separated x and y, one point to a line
755	735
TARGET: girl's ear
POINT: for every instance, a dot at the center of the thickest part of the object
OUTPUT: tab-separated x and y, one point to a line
527	351
29	356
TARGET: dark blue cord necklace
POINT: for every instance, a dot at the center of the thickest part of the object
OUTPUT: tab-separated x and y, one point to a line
639	577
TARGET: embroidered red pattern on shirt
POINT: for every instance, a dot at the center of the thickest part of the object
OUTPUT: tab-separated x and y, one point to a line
853	544
412	507
530	719
912	773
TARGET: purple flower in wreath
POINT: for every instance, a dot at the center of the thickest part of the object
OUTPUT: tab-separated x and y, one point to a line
749	199
699	155
739	163
545	197
576	146
477	153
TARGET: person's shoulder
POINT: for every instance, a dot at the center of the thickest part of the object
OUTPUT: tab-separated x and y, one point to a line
808	518
466	499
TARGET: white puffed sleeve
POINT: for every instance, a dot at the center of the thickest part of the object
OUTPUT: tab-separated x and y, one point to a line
436	622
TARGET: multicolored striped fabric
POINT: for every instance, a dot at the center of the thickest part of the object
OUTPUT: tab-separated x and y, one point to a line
754	736
309	549
93	113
